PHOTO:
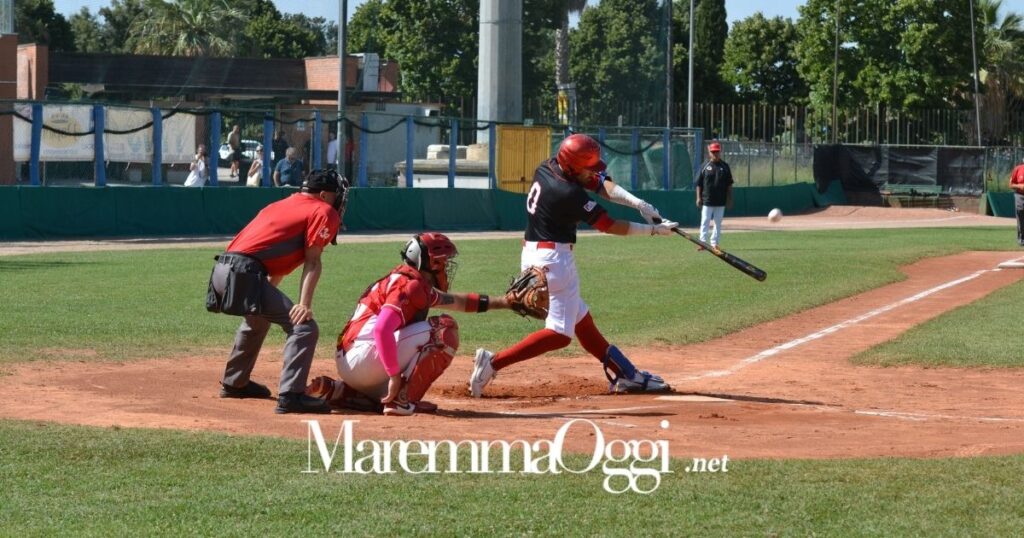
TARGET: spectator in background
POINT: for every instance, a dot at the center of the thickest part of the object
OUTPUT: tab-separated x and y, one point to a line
332	150
279	147
235	143
1017	184
198	171
255	175
288	170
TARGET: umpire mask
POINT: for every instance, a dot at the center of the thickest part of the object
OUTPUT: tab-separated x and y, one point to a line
330	181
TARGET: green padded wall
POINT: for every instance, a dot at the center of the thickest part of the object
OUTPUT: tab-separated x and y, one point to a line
1000	204
78	212
458	209
48	212
385	209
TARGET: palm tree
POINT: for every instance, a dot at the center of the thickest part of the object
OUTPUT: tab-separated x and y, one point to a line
1002	68
188	28
565	112
562	40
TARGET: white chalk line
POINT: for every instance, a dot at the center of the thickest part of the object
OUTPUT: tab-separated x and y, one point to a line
922	417
577	411
770	352
562	414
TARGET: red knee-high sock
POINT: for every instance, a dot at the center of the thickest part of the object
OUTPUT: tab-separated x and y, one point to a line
593	341
534	344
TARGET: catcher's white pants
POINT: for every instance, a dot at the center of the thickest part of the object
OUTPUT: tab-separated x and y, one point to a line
708	214
362	370
567	307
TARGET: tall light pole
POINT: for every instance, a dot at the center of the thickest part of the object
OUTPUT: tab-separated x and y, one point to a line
835	80
668	64
6	17
689	84
342	155
974	56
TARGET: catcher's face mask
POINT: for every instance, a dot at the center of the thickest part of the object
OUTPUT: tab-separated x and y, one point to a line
433	253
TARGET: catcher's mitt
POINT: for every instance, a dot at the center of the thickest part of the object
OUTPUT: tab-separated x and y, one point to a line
528	293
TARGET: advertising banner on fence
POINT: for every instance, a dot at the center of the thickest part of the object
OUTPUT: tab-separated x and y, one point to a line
132	147
56	146
179	139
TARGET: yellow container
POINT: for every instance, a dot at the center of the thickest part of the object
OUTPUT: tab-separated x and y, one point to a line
520	149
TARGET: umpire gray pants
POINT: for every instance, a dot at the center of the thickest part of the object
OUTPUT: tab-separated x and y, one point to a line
298	348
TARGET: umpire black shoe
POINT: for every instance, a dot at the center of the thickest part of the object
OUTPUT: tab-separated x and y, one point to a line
298	402
252	390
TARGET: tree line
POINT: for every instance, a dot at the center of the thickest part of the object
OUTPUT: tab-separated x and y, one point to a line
896	56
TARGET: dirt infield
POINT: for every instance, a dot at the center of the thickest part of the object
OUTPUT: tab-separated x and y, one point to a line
781	390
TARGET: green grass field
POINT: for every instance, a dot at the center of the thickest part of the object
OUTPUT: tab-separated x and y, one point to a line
144	304
651	291
103	482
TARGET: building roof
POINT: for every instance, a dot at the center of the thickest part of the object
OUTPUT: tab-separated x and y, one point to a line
177	75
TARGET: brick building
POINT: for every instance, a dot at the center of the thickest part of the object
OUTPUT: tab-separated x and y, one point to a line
288	87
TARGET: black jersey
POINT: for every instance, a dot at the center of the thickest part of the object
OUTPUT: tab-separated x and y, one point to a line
714	181
556	205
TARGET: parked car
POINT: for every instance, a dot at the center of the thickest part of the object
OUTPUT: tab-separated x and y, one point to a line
248	150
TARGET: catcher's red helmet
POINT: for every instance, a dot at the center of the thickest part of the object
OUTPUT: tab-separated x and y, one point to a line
580	155
435	254
714	146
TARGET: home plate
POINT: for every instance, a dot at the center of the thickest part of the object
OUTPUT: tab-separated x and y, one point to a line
1012	265
692	398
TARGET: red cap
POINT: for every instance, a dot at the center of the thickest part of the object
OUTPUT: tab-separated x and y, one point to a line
715	146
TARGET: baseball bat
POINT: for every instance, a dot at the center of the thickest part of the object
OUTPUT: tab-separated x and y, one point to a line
747	268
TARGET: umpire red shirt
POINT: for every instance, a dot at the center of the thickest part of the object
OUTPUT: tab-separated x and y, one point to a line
281	232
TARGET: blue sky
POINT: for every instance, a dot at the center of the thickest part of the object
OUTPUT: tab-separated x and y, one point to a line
328	9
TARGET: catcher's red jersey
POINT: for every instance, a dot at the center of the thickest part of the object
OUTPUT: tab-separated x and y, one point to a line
404	289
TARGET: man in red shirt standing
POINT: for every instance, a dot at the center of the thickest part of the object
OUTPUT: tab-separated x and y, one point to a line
283	236
1017	184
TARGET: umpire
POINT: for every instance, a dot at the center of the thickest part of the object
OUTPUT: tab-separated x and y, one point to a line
283	236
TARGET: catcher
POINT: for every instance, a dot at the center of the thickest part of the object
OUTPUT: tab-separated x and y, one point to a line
556	204
390	352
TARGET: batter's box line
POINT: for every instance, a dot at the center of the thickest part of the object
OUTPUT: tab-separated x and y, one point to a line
770	352
923	417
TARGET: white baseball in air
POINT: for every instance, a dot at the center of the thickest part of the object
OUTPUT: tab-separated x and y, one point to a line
775	215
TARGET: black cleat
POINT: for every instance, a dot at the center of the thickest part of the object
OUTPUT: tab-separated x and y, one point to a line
297	402
252	390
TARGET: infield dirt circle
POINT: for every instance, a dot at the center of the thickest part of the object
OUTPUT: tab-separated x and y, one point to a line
784	389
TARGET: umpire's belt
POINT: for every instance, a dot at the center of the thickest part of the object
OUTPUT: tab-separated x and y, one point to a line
242	262
546	245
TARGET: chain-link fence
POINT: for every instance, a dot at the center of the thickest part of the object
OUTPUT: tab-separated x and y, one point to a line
806	125
57	144
999	162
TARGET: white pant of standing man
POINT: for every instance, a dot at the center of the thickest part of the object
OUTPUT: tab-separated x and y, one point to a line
707	214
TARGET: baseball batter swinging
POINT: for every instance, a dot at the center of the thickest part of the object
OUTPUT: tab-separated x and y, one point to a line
556	204
390	352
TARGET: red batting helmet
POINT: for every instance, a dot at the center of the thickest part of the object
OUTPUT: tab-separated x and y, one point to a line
580	155
433	253
714	146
